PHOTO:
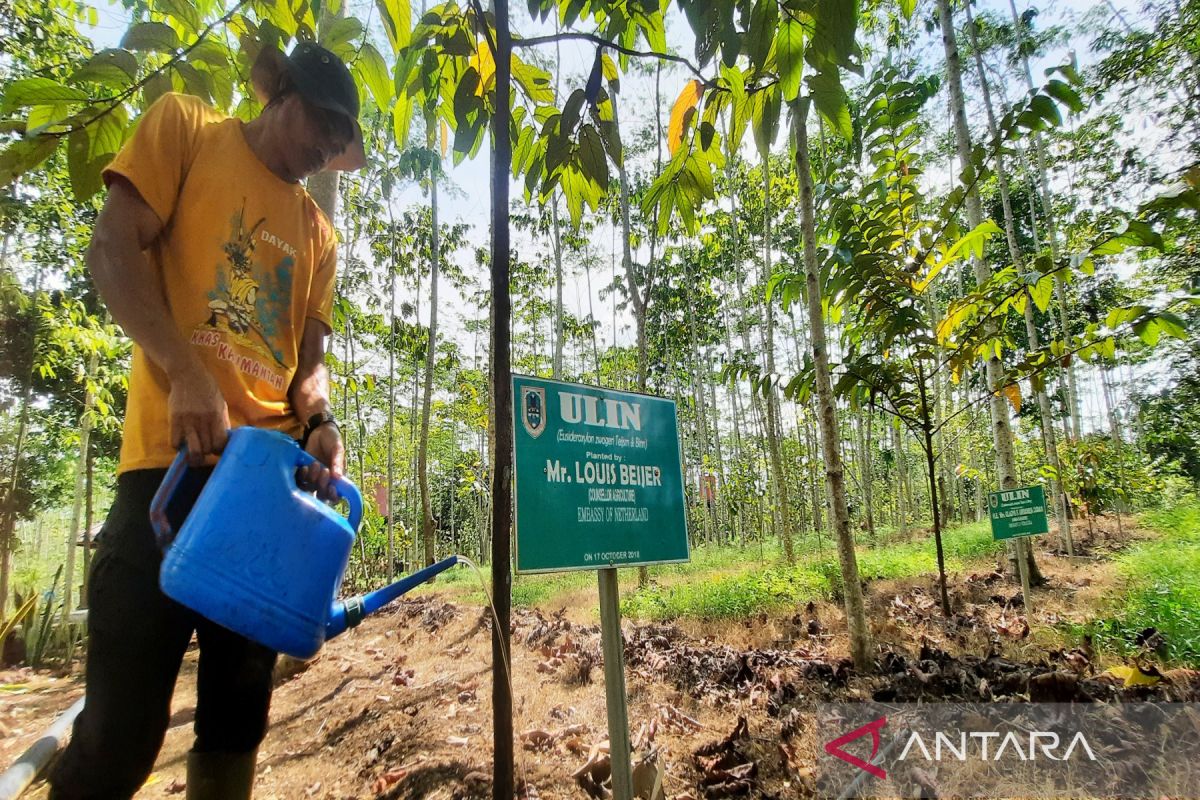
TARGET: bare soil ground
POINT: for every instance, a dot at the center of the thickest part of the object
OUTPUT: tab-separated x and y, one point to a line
400	708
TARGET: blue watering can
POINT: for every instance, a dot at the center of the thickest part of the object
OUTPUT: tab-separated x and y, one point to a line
260	556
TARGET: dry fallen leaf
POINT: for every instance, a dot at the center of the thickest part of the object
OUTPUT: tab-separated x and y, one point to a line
537	740
388	779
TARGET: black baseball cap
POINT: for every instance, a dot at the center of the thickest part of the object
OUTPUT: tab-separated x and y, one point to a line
323	80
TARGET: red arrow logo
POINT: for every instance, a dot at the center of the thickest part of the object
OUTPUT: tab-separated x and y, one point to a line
834	748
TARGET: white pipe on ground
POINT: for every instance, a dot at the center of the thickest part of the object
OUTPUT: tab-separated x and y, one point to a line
18	777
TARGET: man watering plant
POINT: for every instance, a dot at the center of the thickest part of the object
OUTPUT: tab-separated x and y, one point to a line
219	265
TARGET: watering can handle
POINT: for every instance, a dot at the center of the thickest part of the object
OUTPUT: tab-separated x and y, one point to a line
345	489
162	498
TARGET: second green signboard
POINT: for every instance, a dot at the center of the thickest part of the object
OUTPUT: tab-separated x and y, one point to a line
599	482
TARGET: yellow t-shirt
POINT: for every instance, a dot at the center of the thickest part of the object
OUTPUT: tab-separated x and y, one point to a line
245	259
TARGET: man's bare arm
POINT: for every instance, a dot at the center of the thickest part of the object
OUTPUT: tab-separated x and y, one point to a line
309	394
133	291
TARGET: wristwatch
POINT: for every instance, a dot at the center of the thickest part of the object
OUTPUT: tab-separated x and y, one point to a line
316	421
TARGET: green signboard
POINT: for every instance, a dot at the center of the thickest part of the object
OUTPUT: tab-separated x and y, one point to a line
599	480
1018	512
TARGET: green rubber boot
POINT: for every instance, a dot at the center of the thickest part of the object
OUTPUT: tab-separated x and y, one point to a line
220	776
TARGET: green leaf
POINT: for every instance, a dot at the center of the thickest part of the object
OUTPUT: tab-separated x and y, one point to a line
738	106
833	37
907	7
401	118
830	99
158	85
114	68
764	117
23	155
182	10
339	37
1173	325
91	148
789	56
570	115
371	68
195	82
466	101
1045	108
592	160
534	81
41	117
1064	94
1042	292
763	20
397	21
156	37
40	91
1148	331
1135	234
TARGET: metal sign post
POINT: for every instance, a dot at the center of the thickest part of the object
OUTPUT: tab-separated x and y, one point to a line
598	480
1017	514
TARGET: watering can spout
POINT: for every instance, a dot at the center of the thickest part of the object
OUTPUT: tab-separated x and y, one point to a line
349	613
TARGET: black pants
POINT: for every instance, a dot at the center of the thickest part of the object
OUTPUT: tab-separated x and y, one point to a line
136	640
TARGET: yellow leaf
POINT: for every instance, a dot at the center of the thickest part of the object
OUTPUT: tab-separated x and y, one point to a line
1013	393
682	112
485	65
1135	675
445	137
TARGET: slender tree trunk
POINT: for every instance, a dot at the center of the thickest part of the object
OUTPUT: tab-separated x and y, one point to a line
636	299
427	528
773	433
8	509
860	634
85	431
556	364
1060	291
901	476
867	461
1001	429
88	513
389	520
501	410
931	472
1049	438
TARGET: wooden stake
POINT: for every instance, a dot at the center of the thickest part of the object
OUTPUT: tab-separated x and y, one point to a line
614	685
1023	570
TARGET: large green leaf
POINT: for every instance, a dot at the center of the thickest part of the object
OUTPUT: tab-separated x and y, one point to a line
40	91
829	97
153	36
739	106
373	71
91	148
23	155
833	37
764	19
195	82
592	160
114	68
397	21
401	118
185	11
764	117
789	56
340	36
41	117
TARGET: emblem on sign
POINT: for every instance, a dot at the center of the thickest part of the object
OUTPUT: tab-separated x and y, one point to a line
533	401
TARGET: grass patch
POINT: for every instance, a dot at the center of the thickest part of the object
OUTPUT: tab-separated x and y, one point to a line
1163	590
745	590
